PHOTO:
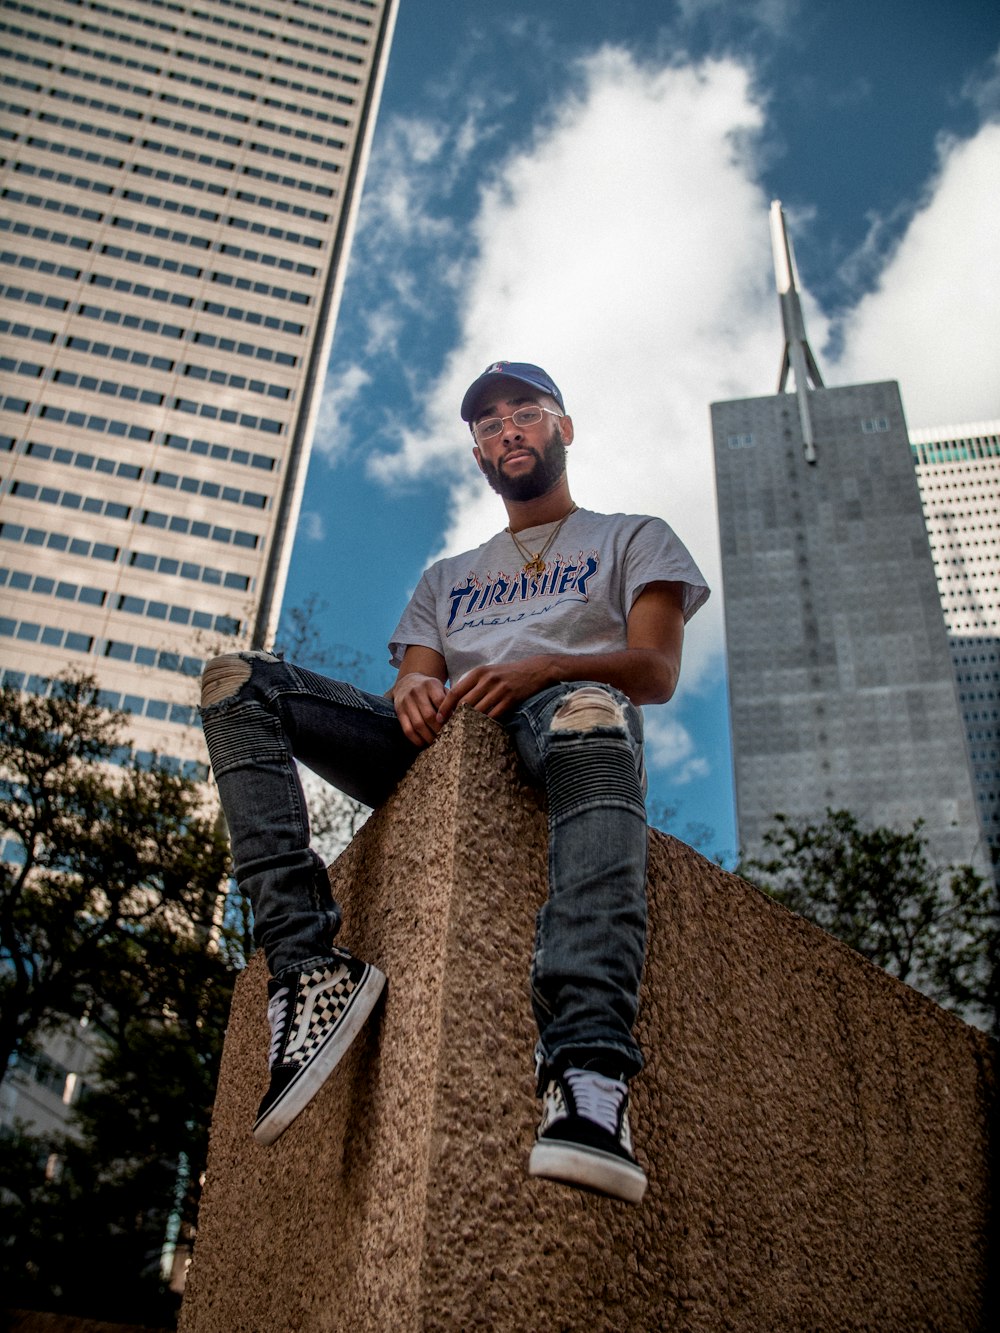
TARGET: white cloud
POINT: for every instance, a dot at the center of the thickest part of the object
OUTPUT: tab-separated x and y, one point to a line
384	326
983	88
311	526
635	266
396	197
341	391
669	747
626	250
931	323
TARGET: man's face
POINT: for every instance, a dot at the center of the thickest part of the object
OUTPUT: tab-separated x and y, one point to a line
522	462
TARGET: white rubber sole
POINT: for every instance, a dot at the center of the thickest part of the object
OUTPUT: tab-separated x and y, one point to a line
588	1169
297	1096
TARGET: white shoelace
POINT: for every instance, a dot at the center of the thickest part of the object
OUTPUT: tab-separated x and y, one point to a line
597	1097
277	1007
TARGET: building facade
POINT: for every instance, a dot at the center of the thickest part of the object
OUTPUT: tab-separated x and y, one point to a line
958	472
179	183
44	1084
840	677
178	187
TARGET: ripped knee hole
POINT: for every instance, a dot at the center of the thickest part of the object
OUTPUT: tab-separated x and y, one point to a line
586	709
223	677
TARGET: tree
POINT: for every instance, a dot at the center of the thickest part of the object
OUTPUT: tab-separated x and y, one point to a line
877	890
110	905
100	853
128	1177
334	817
664	816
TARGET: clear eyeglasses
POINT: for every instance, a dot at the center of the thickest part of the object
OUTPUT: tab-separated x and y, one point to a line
524	416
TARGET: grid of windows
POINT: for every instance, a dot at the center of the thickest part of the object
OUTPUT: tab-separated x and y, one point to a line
24	581
53	636
164	262
118	650
43	585
841	693
238	117
50	1074
135	356
162	710
958	472
125	471
62	177
145	560
153	518
285	38
109	315
955	450
174	188
203	448
86	183
247	71
111	388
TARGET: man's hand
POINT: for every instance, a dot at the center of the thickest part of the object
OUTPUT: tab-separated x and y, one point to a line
646	670
417	699
495	689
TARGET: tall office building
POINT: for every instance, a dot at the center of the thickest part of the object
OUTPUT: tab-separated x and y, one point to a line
840	678
178	187
179	183
958	472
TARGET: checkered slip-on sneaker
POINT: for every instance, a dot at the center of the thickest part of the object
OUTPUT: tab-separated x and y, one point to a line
314	1017
584	1138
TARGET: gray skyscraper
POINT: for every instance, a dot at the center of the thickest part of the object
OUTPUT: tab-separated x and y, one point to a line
841	686
958	472
179	185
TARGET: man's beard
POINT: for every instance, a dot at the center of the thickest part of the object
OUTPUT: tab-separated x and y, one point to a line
548	469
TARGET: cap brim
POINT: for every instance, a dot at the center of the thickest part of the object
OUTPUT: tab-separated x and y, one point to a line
486	383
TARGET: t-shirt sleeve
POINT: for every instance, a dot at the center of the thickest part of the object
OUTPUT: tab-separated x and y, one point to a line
656	554
418	623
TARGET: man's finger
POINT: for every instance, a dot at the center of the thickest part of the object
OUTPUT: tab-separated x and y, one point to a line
417	731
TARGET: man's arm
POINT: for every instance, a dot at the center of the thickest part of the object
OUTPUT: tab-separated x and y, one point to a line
646	670
419	692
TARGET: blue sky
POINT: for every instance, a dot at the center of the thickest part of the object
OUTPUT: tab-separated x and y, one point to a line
585	185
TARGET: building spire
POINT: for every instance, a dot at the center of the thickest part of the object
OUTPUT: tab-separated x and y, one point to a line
797	355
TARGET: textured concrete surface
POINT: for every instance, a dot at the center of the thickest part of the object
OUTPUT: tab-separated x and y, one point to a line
816	1134
39	1321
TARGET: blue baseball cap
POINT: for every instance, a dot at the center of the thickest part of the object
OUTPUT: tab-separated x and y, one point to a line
507	370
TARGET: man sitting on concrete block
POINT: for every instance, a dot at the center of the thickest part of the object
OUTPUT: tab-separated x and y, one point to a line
558	627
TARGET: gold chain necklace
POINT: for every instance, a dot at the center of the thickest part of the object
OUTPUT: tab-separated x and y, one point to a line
535	563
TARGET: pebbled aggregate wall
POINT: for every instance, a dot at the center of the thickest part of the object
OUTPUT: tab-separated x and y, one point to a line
817	1135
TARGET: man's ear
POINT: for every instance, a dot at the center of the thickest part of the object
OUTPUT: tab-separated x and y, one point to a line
478	457
566	426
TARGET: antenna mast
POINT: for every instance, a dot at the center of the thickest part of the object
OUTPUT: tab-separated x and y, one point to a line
797	355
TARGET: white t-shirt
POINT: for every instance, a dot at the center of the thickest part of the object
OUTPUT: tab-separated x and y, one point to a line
480	607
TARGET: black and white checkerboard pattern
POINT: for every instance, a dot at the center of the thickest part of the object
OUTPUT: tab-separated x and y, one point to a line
321	999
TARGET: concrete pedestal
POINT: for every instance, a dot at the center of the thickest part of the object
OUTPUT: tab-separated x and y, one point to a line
816	1134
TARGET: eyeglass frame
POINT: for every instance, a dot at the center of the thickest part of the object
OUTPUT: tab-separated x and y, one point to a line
528	407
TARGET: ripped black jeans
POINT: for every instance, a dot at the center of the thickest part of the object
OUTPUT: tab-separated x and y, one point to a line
582	741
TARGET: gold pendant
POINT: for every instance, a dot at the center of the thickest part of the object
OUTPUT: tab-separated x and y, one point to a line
535	566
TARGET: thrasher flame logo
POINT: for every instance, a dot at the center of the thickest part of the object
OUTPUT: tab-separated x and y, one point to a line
562	581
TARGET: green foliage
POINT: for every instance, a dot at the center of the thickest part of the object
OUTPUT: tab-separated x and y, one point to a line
876	889
99	853
84	1240
110	905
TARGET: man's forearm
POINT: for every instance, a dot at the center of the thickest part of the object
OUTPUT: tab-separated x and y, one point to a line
644	674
